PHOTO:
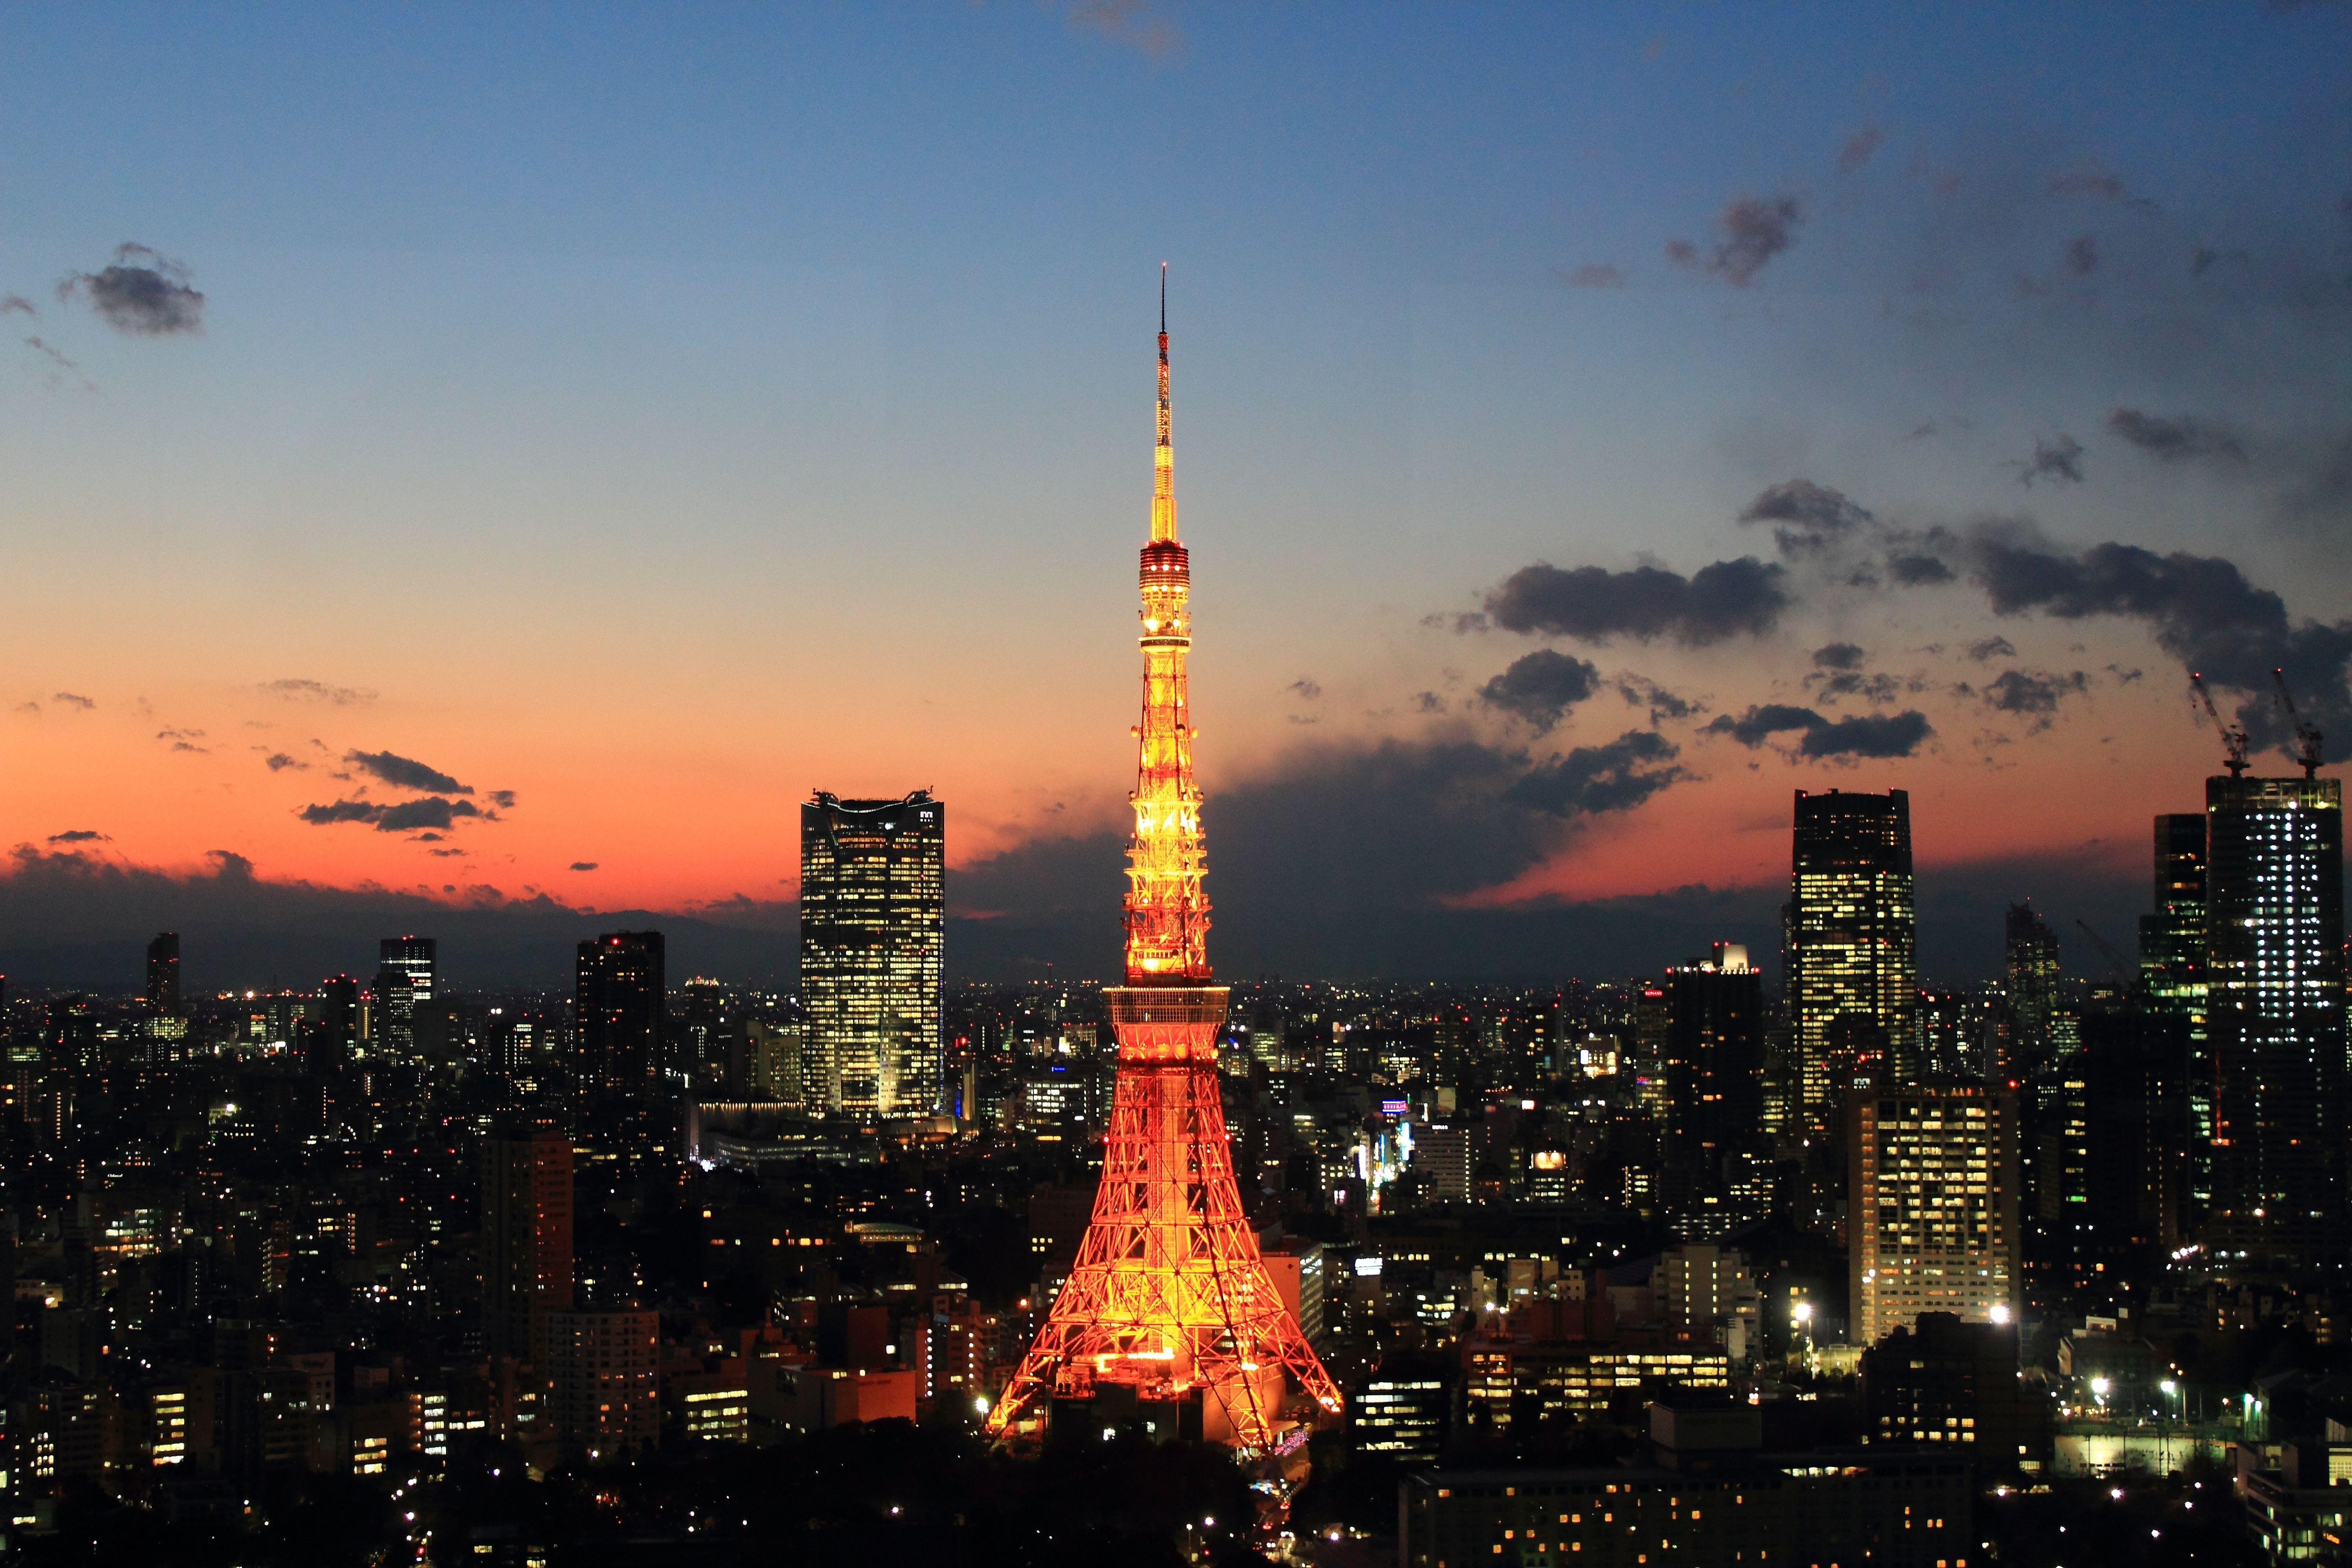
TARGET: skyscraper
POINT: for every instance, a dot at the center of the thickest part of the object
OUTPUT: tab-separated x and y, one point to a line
2030	967
1933	1205
1851	942
872	921
621	1002
1715	1083
2172	976
404	980
163	975
526	1239
2274	1013
166	1023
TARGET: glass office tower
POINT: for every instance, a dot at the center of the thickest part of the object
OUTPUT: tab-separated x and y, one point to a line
872	921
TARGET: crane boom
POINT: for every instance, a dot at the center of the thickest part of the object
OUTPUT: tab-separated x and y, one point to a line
2306	739
2233	739
2115	960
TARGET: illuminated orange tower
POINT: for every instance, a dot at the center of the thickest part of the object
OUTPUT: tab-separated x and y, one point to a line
1168	1303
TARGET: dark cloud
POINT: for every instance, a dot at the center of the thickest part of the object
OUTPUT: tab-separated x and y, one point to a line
1755	230
2059	461
16	302
1594	780
410	816
405	772
2033	694
584	865
1859	147
1594	604
73	700
1306	688
1869	735
1859	735
1542	687
2081	257
318	691
503	799
278	761
140	292
1594	274
71	918
61	366
1992	648
2200	609
2174	440
1856	683
1918	571
1641	692
1428	702
1759	724
80	835
1838	655
1806	516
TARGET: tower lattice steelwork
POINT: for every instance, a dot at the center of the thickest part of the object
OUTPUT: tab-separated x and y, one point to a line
1169	1301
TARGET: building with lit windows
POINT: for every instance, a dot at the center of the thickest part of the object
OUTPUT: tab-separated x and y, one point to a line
1933	1210
526	1239
2274	1014
1889	1508
603	1393
622	1006
873	918
1402	1414
1714	1073
2172	976
1850	938
2029	971
407	974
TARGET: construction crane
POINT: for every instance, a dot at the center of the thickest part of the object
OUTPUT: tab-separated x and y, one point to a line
2306	739
2233	740
2115	960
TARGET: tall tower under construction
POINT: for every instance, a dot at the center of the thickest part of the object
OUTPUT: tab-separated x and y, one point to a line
1169	1315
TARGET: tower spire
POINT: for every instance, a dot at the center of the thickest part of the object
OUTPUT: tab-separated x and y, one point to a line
1164	456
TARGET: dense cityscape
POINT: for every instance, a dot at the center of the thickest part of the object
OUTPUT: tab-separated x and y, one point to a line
1752	972
518	1279
1857	1269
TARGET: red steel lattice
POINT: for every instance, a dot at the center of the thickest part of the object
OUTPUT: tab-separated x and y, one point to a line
1169	1297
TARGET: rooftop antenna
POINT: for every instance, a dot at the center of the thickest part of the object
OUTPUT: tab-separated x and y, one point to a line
2233	740
2306	739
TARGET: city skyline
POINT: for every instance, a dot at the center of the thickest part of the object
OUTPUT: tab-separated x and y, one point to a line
1419	422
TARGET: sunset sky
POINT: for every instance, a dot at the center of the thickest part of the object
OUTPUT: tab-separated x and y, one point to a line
613	423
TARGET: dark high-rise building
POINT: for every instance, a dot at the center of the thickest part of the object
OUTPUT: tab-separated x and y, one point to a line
872	917
334	1035
1851	934
2030	966
166	1024
2172	974
404	980
1715	1084
2275	1012
526	1239
623	1006
163	975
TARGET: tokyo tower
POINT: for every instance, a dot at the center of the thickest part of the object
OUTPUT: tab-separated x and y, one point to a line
1169	1308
